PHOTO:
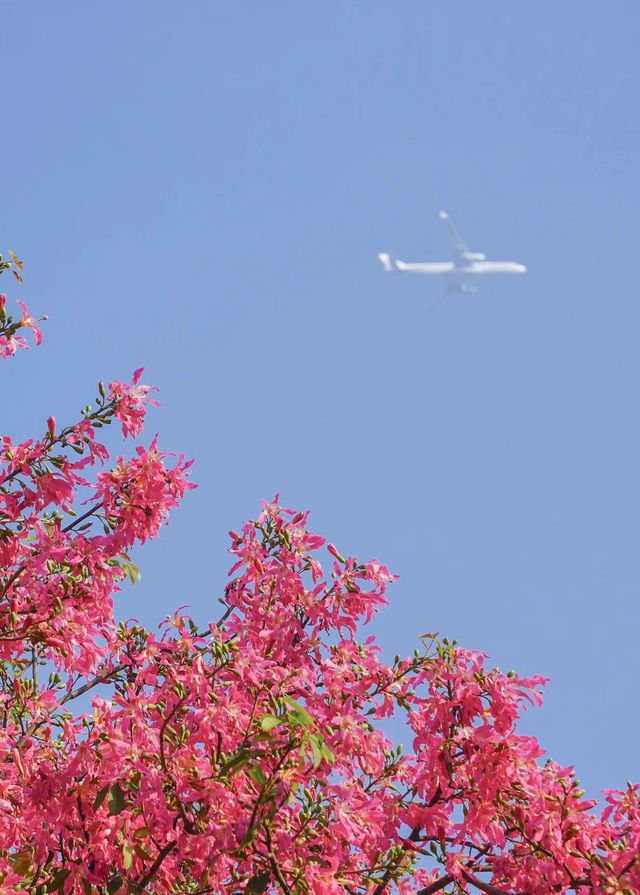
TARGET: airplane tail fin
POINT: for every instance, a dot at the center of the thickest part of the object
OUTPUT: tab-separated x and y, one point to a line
387	262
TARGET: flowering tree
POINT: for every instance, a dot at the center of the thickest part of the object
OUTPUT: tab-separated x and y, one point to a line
248	756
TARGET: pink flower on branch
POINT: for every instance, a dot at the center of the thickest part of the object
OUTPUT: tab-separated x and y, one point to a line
247	755
131	402
30	322
255	742
10	340
58	573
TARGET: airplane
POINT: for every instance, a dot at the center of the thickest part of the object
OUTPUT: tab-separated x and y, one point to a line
466	264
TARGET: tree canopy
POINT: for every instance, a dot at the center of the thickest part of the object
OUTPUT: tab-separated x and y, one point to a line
249	756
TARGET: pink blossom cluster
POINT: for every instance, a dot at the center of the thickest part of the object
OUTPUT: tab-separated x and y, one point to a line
61	561
249	755
10	340
130	403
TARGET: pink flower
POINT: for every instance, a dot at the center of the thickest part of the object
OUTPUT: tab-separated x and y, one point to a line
247	753
130	403
28	321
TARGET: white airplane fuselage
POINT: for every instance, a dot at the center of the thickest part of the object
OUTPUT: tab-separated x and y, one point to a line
464	268
471	269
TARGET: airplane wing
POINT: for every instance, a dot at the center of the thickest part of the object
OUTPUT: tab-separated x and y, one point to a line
460	250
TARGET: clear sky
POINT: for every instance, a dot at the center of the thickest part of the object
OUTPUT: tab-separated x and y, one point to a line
202	187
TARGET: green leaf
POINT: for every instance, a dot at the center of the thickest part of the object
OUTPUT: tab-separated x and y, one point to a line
316	749
258	883
269	722
327	754
319	749
116	799
21	863
114	884
131	569
234	764
297	715
142	852
256	773
56	883
127	856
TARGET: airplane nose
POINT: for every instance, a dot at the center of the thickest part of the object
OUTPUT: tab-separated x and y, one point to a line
522	268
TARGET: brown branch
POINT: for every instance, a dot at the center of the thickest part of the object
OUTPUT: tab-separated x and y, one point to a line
275	867
151	872
80	519
64	434
487	887
99	679
435	887
72	694
66	529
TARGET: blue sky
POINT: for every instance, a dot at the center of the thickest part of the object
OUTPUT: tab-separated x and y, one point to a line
202	188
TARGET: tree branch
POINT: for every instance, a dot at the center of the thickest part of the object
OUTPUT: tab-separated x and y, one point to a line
487	887
436	886
151	872
99	679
